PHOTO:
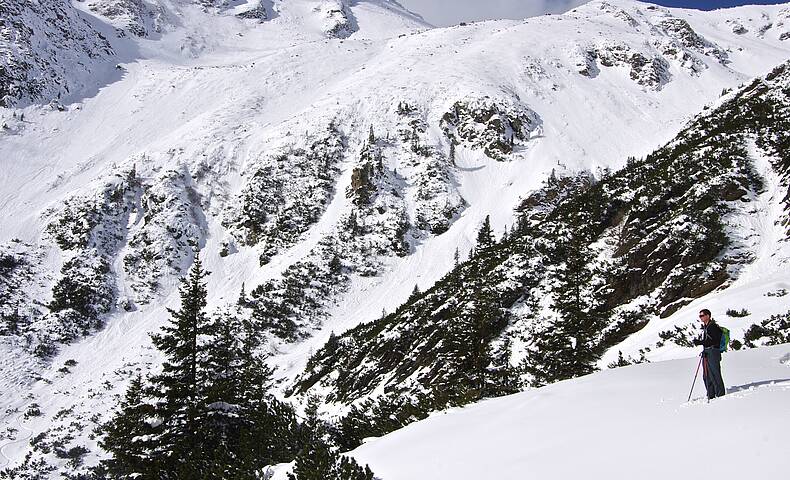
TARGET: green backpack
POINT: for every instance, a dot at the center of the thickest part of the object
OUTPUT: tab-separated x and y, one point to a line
725	339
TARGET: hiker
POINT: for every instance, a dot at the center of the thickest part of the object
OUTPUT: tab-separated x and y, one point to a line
711	355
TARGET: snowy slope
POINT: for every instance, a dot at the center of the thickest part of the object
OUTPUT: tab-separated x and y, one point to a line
623	423
211	99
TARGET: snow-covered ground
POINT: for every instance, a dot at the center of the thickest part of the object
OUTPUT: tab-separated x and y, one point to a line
630	422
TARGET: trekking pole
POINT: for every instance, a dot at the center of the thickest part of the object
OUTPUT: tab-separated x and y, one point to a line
695	377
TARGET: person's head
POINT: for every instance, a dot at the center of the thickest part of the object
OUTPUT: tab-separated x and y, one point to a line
704	315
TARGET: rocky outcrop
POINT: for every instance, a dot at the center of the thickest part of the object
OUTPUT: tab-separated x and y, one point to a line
138	17
494	126
337	21
49	51
681	31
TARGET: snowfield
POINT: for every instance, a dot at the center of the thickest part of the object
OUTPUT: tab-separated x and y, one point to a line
629	422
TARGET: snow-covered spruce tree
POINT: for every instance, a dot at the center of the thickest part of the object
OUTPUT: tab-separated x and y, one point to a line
477	370
127	435
319	463
179	387
378	417
317	459
209	413
485	236
415	293
468	341
244	427
566	346
274	312
501	377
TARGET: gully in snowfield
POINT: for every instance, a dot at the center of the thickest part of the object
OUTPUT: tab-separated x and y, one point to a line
713	337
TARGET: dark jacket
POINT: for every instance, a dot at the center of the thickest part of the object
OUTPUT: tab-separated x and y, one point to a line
711	335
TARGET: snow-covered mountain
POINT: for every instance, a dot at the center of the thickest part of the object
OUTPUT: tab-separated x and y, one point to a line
325	156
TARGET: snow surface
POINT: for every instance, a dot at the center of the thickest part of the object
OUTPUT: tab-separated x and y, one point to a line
629	422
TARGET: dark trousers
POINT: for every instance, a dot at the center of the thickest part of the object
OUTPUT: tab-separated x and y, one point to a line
711	372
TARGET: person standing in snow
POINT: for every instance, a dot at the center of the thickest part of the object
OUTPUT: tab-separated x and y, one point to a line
711	355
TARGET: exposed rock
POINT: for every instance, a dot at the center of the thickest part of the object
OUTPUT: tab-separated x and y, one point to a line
49	51
139	17
491	125
652	72
337	19
680	30
257	13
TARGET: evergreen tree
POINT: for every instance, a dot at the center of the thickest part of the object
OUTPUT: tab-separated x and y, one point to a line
452	152
566	346
469	341
336	265
179	385
127	436
317	461
485	236
577	303
415	294
502	378
209	413
371	136
242	296
549	358
240	417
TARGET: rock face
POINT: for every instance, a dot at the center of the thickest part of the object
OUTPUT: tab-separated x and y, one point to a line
672	41
258	12
49	50
337	19
650	72
681	31
495	127
138	17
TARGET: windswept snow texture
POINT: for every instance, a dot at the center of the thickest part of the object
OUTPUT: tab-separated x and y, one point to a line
630	422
